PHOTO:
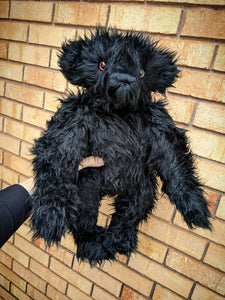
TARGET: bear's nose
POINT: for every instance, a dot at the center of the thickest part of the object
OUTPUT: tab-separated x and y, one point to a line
123	78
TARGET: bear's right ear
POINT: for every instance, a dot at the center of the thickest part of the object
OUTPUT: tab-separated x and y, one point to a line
69	58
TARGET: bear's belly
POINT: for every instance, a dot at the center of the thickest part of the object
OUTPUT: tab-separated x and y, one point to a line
123	148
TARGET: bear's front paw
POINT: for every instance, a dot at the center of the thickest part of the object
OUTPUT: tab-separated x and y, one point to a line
198	218
49	223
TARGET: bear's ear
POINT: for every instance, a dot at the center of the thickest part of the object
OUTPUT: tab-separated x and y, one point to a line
69	59
161	69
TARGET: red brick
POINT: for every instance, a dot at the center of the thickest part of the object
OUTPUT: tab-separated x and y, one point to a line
11	276
73	88
28	276
211	117
25	232
4	9
213	175
180	109
9	143
6	295
1	156
53	293
162	275
50	35
10	108
17	254
11	31
129	294
122	258
216	235
54	59
174	236
68	243
8	175
51	101
5	259
24	94
1	123
191	53
49	79
100	278
153	19
220	213
129	277
211	197
75	294
102	220
106	205
215	256
21	130
196	271
99	293
161	293
5	185
200	2
201	85
18	164
204	23
87	14
59	253
219	64
35	294
201	292
29	54
207	144
48	276
164	208
35	116
31	11
18	293
30	249
2	87
25	150
11	70
3	49
151	248
71	276
5	283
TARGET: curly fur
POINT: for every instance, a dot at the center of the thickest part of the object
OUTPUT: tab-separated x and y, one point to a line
115	117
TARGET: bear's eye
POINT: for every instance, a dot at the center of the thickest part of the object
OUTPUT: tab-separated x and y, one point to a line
102	65
141	73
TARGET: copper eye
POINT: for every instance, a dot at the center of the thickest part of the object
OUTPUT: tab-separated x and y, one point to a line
141	73
102	65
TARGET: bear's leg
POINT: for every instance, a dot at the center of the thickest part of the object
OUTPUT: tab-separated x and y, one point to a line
131	209
97	244
88	236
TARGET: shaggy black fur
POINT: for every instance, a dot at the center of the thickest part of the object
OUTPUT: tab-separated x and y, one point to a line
114	117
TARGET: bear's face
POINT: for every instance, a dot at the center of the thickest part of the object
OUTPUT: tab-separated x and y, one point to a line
118	67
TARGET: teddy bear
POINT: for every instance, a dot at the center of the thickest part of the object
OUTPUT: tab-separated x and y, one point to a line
114	115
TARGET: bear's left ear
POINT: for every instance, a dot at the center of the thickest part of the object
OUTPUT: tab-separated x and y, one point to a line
161	70
69	58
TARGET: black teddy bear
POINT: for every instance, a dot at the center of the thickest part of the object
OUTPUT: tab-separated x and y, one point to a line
115	117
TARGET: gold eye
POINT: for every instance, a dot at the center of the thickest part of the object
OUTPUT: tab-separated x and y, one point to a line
102	65
141	73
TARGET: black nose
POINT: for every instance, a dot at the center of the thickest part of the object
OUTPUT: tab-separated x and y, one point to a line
123	89
123	78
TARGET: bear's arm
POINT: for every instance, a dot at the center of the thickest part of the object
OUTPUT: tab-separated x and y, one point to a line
58	153
171	157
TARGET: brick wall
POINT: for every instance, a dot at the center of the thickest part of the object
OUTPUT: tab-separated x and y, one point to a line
172	262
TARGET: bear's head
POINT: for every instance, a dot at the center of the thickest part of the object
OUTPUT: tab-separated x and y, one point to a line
119	67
